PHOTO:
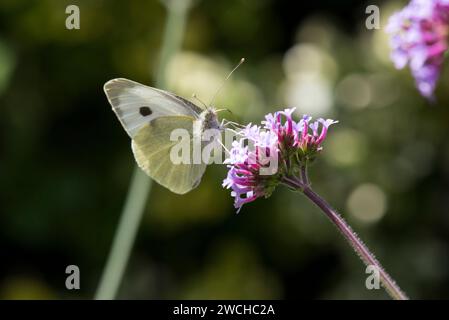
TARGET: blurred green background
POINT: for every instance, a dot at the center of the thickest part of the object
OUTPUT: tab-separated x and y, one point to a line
65	161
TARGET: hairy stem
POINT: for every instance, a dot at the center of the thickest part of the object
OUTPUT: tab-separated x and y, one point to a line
140	185
360	248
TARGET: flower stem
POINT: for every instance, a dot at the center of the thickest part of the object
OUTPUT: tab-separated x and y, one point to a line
360	248
304	174
140	185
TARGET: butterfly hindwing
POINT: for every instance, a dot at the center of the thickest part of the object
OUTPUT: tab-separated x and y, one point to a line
152	146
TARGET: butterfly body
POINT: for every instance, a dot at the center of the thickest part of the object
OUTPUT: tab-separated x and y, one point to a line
149	116
209	120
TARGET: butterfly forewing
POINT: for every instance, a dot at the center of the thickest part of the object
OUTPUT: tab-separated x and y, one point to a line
136	104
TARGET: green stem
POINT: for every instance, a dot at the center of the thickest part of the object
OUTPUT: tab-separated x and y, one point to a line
140	185
304	174
173	35
125	235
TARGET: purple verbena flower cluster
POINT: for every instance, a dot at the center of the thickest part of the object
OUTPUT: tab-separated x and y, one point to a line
263	155
303	135
419	38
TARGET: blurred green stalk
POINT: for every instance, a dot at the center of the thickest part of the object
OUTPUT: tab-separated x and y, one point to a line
140	185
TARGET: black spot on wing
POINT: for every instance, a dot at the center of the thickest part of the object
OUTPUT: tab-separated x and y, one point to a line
145	111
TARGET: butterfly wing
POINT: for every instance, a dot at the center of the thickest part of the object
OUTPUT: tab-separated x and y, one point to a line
152	146
136	104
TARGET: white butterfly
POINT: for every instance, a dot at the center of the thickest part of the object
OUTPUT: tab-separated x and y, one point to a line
149	115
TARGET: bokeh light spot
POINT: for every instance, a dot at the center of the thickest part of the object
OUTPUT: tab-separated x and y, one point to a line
345	147
367	203
354	91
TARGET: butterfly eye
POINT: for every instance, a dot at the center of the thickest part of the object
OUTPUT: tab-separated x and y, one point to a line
145	111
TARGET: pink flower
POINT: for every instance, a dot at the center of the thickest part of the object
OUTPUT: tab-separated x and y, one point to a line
263	156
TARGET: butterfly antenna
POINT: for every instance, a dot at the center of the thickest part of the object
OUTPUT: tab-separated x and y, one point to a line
194	96
226	79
